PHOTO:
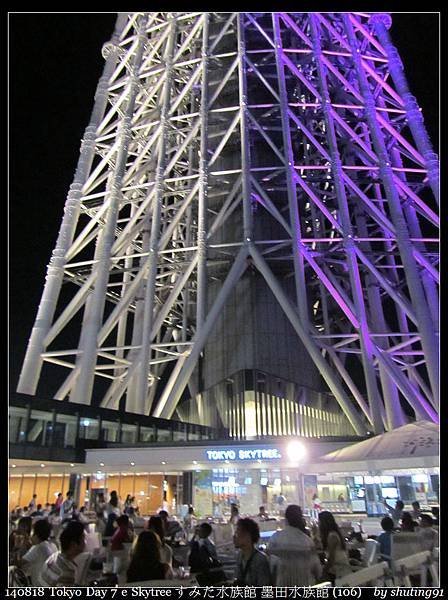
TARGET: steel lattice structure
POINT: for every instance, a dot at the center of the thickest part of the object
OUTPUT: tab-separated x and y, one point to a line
303	120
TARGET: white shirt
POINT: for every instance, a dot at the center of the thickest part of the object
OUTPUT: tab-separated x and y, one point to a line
35	558
298	561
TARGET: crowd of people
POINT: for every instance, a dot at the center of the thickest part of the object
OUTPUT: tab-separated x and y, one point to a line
45	542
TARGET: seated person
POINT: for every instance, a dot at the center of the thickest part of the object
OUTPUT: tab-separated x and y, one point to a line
38	512
253	567
203	558
155	524
170	527
60	569
407	522
33	561
262	514
385	538
122	534
145	563
429	536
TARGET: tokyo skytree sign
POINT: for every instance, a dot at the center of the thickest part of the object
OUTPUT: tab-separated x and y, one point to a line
248	176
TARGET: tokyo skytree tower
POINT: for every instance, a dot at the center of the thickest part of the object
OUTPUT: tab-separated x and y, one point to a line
255	193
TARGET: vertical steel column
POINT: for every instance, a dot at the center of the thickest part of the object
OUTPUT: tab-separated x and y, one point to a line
244	132
176	385
299	268
32	365
349	244
310	345
93	312
139	403
201	302
381	23
425	324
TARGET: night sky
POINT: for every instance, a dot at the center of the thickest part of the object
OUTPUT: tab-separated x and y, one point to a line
54	64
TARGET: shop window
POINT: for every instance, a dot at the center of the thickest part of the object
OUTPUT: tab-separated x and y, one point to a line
37	428
128	434
88	429
109	431
64	434
147	434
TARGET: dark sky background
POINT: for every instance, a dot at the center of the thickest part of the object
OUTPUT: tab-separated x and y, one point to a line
54	64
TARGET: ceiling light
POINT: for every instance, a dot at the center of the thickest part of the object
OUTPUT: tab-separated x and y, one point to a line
72	465
132	464
13	466
101	464
295	451
195	462
42	465
163	462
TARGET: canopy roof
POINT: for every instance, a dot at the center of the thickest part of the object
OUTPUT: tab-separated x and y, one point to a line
412	445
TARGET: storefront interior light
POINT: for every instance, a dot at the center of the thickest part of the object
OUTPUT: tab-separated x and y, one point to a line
296	451
13	466
42	465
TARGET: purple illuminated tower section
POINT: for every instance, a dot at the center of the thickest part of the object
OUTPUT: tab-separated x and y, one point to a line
251	237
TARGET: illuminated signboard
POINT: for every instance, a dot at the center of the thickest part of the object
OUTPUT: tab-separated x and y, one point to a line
252	454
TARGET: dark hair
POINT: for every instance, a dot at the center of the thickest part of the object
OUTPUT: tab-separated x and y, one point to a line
42	529
155	524
163	514
190	510
327	524
110	529
113	498
234	508
294	517
250	527
145	555
123	520
387	524
73	532
416	504
39	506
25	524
407	521
206	528
399	504
425	518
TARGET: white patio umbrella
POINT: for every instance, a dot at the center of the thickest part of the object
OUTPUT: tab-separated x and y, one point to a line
415	445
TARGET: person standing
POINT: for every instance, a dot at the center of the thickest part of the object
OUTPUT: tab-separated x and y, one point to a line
59	501
299	564
416	510
334	546
155	524
66	510
32	504
113	506
397	512
253	567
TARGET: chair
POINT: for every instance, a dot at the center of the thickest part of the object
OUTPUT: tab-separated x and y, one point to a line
375	575
405	544
413	565
371	552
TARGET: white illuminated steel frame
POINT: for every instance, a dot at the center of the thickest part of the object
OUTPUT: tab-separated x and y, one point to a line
348	172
